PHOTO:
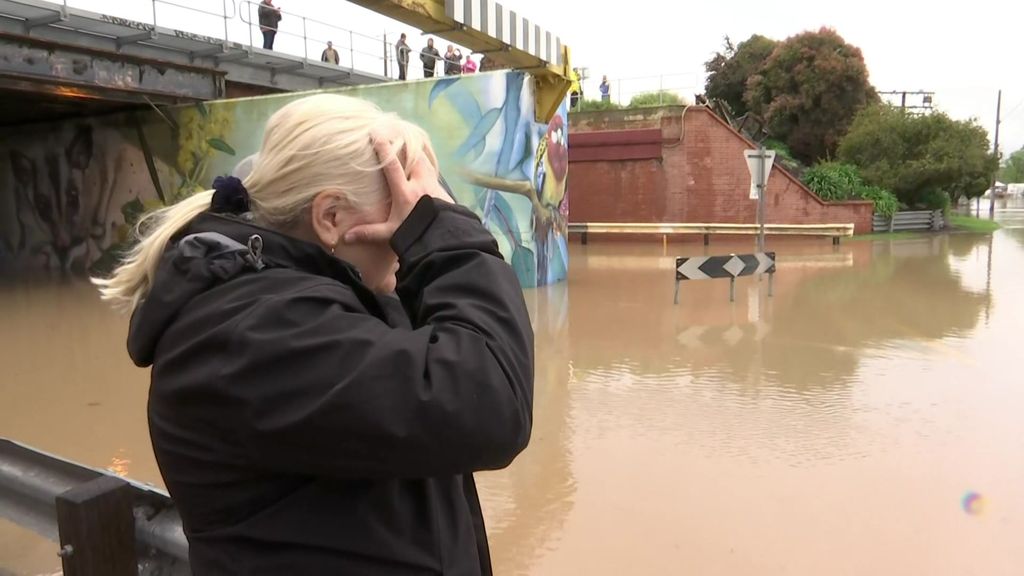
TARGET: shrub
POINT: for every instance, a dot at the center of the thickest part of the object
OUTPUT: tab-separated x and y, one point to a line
835	182
832	181
934	200
657	98
589	105
886	203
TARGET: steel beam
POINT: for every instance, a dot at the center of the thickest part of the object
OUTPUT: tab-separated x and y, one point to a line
133	38
28	58
31	23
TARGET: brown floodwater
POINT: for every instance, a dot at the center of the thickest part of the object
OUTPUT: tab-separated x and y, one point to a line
834	428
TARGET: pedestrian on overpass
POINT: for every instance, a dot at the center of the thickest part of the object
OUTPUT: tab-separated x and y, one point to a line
452	61
330	54
429	56
402	51
336	347
270	17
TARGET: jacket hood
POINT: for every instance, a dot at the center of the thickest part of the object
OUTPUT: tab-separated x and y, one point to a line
211	251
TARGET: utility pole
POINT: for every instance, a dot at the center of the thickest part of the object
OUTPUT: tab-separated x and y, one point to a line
992	191
927	99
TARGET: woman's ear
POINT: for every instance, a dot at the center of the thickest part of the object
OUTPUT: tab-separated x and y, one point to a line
327	218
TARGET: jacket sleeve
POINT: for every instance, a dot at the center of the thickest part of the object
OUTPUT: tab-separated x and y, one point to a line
326	388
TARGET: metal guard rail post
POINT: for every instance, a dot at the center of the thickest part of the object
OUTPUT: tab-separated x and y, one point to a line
31	481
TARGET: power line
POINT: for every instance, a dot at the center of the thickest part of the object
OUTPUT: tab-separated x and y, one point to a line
1013	110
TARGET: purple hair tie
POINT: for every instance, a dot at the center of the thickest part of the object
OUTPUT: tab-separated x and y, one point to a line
229	196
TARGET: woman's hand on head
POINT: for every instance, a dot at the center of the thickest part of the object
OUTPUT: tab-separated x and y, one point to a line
406	190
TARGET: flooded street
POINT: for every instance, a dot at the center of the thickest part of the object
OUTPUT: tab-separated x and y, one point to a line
867	419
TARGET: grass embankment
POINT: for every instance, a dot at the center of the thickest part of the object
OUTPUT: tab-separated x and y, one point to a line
965	223
887	236
957	223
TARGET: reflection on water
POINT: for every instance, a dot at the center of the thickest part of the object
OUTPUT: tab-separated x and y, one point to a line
864	420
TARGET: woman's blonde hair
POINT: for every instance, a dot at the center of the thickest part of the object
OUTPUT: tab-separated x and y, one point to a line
319	143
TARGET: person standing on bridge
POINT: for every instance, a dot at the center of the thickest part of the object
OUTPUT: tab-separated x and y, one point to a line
452	61
605	89
270	18
336	347
330	54
429	56
402	51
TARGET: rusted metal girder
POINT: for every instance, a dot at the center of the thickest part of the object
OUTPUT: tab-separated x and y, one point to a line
87	73
552	81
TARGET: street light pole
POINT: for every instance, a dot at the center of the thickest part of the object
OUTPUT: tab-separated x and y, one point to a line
992	191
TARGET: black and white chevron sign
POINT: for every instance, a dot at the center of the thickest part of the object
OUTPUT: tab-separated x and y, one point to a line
731	266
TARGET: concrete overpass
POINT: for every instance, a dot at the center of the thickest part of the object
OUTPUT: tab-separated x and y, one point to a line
59	61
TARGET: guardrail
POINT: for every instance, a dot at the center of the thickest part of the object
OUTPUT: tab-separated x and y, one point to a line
909	221
835	231
99	519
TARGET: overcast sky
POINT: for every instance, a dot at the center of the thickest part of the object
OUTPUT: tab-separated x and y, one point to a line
963	52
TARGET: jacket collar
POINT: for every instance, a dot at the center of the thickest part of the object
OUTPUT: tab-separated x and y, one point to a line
279	250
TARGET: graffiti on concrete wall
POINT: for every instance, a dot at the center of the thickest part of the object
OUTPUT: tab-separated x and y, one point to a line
62	190
73	190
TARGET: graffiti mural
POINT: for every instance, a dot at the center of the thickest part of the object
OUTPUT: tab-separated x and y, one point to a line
72	191
63	188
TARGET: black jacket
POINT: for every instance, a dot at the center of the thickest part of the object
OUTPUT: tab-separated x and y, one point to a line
304	425
429	56
269	17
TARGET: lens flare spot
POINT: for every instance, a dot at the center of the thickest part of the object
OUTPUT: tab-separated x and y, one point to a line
973	503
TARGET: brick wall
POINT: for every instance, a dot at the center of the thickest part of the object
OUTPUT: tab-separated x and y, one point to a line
700	176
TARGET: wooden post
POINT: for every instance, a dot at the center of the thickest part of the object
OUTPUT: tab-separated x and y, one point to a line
97	529
583	238
771	280
707	239
732	289
675	299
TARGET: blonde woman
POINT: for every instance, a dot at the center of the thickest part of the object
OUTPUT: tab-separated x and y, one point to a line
304	421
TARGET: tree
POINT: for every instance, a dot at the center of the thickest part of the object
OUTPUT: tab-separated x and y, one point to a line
926	160
657	98
808	92
728	71
1012	171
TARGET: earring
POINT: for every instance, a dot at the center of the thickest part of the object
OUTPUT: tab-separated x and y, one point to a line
333	248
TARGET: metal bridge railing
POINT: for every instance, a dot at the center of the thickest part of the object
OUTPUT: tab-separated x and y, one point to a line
221	15
322	32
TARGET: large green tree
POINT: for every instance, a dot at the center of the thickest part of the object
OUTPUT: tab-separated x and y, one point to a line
809	90
729	70
1012	170
926	160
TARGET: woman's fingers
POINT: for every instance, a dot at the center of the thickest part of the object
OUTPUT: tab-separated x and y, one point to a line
391	167
371	233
